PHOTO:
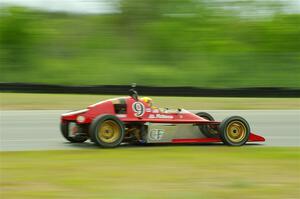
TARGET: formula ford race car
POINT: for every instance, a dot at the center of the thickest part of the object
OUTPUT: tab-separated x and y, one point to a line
135	120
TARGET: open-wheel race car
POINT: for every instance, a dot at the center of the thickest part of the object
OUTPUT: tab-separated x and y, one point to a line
135	120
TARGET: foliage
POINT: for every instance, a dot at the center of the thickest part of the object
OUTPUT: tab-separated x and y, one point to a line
167	43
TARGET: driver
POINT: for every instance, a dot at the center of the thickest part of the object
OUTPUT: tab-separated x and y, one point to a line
148	101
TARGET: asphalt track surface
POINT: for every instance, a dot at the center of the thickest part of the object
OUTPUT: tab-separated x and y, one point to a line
39	130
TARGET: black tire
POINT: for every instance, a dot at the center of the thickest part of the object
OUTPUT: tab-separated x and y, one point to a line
64	128
227	131
96	124
205	129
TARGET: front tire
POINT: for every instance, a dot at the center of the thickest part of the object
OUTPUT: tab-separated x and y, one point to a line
206	128
107	131
234	131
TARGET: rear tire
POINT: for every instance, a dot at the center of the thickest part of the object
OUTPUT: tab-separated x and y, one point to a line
64	128
107	131
206	129
234	131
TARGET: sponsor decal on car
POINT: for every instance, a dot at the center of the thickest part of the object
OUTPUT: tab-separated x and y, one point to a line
156	134
121	115
155	111
160	116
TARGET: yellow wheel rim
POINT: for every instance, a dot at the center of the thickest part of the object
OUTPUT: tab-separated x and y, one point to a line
109	131
236	131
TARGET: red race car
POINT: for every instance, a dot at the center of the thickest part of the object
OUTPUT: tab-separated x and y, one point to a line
135	120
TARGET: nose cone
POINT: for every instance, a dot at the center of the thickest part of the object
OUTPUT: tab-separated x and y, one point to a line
256	138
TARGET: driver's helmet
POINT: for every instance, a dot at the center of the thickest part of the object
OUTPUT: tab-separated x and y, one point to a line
147	100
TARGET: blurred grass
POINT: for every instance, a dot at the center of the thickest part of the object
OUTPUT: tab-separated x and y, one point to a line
153	172
12	101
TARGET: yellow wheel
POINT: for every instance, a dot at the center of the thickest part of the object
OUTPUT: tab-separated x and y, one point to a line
234	131
107	131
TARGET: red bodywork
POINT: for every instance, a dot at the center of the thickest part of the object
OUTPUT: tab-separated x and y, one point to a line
134	114
137	111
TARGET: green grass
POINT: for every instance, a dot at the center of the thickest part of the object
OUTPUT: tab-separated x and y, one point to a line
15	101
153	172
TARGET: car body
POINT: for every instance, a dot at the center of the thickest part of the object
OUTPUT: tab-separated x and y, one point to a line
130	119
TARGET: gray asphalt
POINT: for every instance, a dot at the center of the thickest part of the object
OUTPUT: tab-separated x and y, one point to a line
39	130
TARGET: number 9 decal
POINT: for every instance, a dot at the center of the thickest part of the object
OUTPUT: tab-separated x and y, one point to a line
138	109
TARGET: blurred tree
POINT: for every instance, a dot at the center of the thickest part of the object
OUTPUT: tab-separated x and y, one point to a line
163	28
15	38
153	42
